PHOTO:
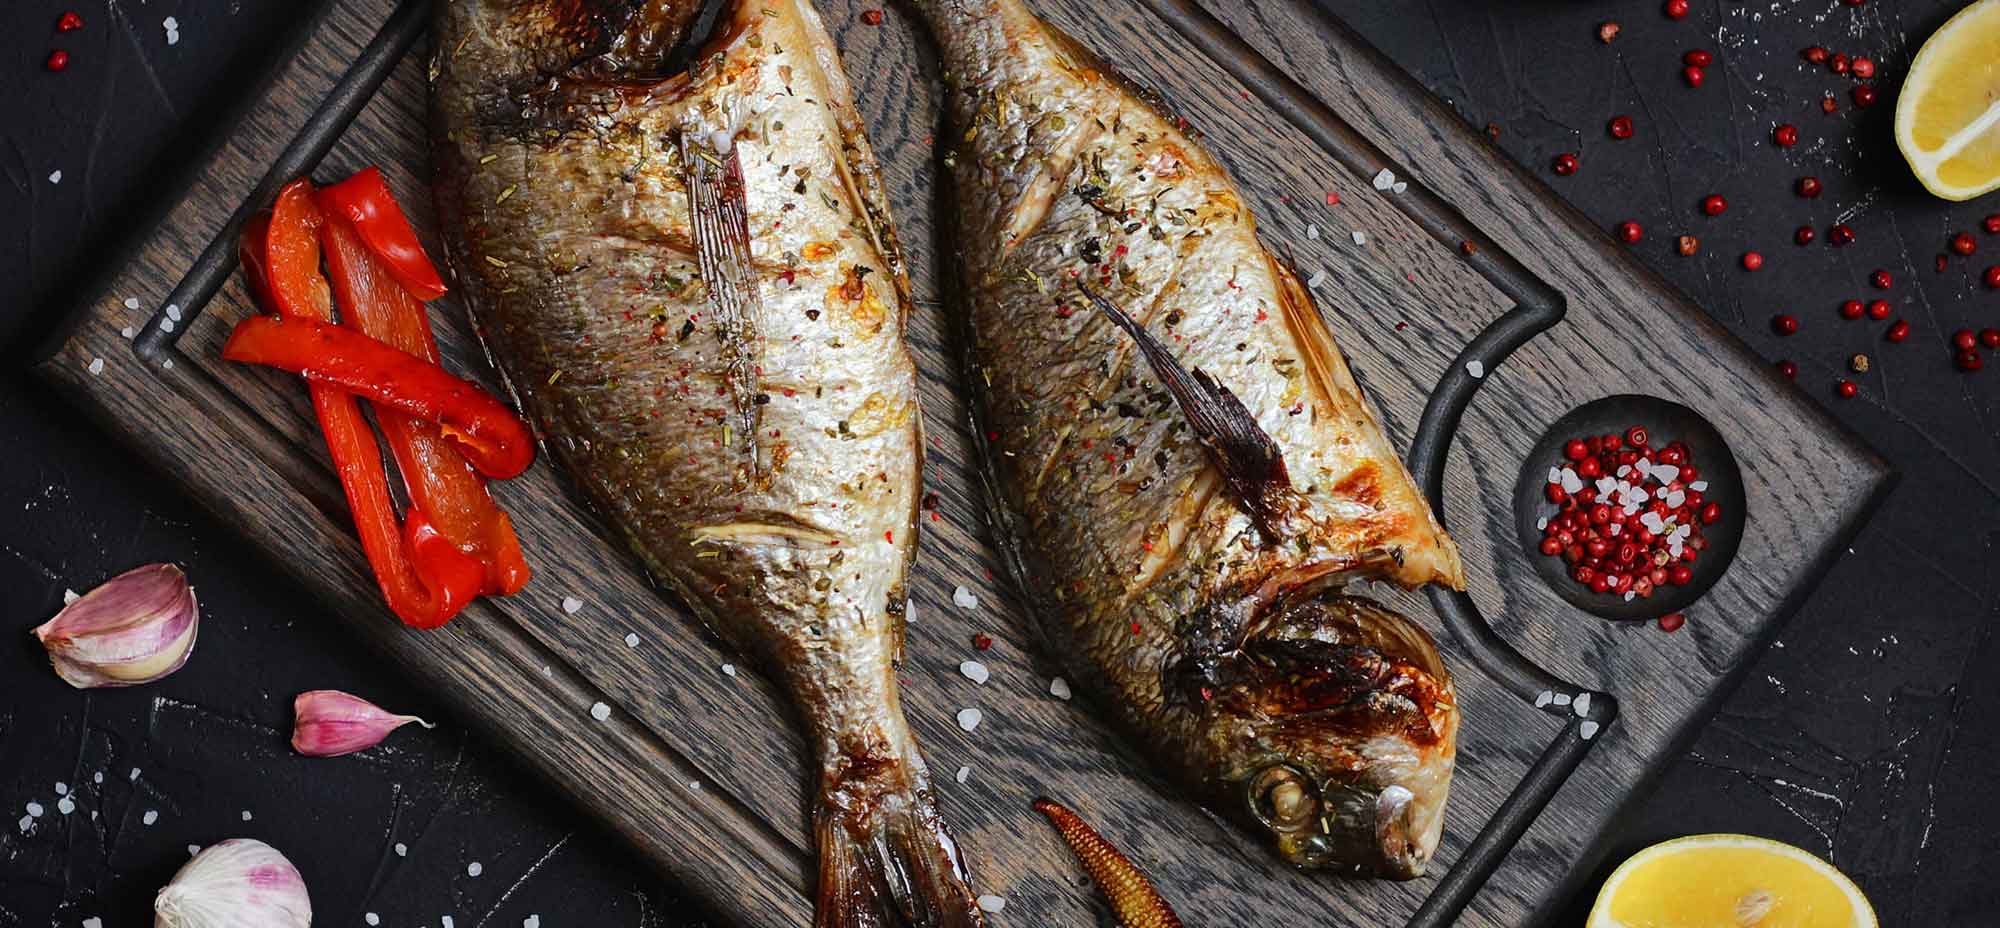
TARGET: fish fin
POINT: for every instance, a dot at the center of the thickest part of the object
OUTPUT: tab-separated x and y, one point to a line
720	217
1248	458
897	861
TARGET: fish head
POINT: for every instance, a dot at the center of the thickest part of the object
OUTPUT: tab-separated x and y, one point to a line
1331	726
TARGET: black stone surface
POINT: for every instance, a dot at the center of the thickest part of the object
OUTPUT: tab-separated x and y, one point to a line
1864	734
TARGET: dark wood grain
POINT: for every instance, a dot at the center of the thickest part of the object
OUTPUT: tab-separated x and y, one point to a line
701	769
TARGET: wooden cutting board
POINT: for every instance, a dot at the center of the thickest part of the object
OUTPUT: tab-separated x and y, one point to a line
698	763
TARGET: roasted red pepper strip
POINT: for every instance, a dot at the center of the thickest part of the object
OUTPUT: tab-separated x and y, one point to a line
425	579
364	200
485	430
439	479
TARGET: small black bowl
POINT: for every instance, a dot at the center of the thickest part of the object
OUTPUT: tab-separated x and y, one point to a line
1664	421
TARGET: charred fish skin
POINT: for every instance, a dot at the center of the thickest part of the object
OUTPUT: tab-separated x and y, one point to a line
690	282
1186	468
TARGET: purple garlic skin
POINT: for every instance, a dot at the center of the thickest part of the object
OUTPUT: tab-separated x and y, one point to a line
135	628
329	723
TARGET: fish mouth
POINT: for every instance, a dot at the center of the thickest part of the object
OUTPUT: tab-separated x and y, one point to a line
1335	722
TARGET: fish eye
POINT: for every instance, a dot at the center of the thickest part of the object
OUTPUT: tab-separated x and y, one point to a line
1283	798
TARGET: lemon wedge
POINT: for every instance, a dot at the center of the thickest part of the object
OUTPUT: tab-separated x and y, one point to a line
1729	881
1948	117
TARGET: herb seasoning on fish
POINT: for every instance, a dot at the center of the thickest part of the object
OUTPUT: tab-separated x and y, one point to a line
1186	469
706	259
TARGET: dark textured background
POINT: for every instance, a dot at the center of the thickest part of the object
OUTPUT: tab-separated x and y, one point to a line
1859	735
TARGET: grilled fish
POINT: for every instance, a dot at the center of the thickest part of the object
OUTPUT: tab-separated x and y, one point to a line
1186	470
690	282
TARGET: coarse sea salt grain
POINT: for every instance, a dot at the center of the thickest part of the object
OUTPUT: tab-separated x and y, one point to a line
93	922
1059	688
1562	699
1312	231
173	311
964	599
246	815
1400	187
55	177
632	639
1587	730
65	805
600	711
1360	237
1475	368
35	809
729	669
372	918
571	604
166	325
475	868
96	366
964	773
968	719
532	921
992	904
135	774
126	331
194	849
974	671
131	302
402	850
1582	704
1313	282
446	922
27	823
1384	179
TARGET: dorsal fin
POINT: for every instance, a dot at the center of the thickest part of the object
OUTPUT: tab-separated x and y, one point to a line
1249	460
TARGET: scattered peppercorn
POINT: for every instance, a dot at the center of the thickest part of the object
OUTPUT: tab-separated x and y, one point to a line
1564	164
1607	31
69	22
1898	331
1675	9
1941	262
1840	234
1990	337
1699	58
982	642
1970	360
1790	370
1854	2
1963	243
1620	127
1863	95
1786	135
1863	67
1814	54
872	17
1752	261
1964	340
1687	245
1858	364
1879	310
1493	131
1809	187
57	60
1838	63
1714	204
1804	235
1846	389
1828	104
1468	248
1672	621
1693	76
1852	309
1881	279
1784	324
1629	232
1993	224
1993	277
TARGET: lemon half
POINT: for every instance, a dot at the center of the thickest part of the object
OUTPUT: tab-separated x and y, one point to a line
1729	881
1948	117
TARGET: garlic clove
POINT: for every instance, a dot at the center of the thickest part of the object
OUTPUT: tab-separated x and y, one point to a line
136	628
238	883
329	723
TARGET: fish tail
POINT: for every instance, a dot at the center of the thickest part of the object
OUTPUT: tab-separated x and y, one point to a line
893	864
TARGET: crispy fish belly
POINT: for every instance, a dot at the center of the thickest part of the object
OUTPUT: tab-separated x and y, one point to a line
690	281
1188	471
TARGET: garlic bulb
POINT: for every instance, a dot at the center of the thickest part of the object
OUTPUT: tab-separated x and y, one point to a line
238	883
329	723
136	628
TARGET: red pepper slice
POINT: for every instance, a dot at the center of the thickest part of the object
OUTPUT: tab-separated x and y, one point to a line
488	433
438	478
365	201
424	578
